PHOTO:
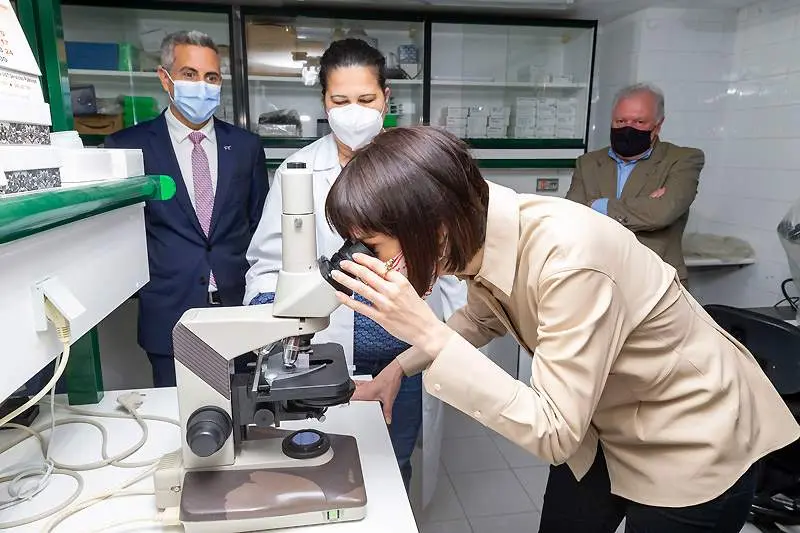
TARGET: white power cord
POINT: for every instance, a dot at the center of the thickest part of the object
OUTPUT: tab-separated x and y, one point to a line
168	517
62	330
27	482
129	401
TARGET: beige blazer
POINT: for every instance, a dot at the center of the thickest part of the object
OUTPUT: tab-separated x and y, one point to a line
658	222
623	355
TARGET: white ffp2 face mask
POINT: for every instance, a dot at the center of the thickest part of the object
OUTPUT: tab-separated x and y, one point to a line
355	125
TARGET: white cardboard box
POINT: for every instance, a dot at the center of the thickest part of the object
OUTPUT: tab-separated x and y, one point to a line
457	122
21	57
457	112
25	112
98	165
28	157
498	122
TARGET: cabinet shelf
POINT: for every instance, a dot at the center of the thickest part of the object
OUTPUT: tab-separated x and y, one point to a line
118	74
508	85
298	81
487	144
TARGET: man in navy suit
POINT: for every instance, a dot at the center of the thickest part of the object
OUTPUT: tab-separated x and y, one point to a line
197	241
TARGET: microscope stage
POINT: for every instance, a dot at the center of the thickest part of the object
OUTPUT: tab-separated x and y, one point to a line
322	374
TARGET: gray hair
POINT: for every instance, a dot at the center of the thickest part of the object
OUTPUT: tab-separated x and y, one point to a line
193	38
637	88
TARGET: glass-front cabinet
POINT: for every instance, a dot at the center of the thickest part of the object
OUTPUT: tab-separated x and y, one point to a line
283	57
113	54
503	82
517	89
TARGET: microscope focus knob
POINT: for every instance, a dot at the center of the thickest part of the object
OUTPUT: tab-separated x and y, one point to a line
207	430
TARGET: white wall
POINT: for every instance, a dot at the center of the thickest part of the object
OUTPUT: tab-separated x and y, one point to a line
732	85
756	181
616	65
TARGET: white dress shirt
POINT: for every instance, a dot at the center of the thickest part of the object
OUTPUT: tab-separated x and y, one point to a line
179	134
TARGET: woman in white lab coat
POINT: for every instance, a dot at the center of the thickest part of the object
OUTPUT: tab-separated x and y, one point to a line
353	79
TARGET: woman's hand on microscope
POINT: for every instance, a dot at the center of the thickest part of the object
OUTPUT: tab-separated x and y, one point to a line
383	388
396	306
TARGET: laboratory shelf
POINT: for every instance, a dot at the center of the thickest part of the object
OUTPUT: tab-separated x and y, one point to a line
34	212
539	164
480	84
534	144
299	81
287	142
118	74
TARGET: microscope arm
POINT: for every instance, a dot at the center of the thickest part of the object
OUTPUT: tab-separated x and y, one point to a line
234	331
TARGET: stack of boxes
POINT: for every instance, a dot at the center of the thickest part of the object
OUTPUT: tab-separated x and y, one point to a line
31	158
546	115
525	118
27	161
566	118
498	121
478	122
456	120
545	118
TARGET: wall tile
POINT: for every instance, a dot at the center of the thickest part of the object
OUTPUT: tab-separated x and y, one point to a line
732	85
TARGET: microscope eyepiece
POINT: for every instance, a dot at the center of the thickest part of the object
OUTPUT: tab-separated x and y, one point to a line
326	266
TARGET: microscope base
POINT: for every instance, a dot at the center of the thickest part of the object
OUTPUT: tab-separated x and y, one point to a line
255	499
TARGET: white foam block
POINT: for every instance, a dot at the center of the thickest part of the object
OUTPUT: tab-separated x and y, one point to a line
97	165
28	157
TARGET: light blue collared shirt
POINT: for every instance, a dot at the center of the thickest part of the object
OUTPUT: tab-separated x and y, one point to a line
624	170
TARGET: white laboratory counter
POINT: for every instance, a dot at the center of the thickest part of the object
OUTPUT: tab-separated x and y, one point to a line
388	508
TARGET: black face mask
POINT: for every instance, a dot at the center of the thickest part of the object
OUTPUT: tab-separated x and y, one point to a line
629	142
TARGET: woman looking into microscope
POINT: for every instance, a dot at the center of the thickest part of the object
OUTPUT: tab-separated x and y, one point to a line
649	410
355	96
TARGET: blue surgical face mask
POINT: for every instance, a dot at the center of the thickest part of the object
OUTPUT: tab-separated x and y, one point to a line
196	100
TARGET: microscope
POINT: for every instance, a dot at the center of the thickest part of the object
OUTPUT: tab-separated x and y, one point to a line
240	372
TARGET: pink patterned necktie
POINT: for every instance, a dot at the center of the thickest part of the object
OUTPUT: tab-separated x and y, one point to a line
203	189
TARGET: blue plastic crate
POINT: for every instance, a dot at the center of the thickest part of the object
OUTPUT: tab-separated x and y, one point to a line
92	56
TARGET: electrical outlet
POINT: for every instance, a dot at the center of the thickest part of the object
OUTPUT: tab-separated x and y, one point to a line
547	185
61	298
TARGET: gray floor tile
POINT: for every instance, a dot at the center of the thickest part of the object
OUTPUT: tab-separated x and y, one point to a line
491	493
472	454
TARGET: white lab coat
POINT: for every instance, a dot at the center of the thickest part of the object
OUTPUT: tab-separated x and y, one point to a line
264	256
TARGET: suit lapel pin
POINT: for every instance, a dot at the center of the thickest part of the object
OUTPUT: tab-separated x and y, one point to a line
227	147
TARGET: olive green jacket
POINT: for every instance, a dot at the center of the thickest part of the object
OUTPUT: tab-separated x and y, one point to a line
657	222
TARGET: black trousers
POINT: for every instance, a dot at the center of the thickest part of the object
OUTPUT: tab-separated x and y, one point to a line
589	507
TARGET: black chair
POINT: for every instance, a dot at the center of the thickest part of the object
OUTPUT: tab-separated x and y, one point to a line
776	346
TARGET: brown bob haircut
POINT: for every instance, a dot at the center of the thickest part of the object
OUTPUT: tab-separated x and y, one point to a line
421	186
